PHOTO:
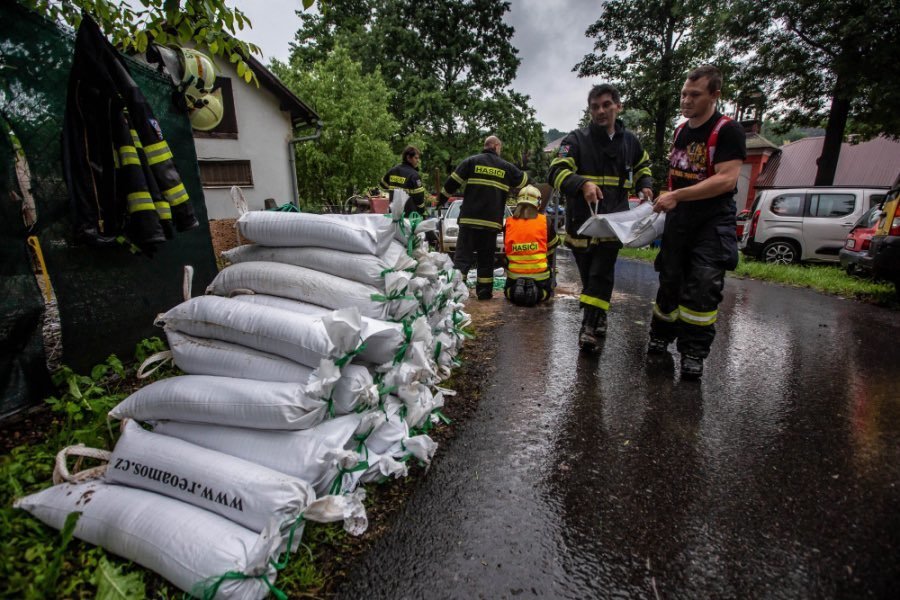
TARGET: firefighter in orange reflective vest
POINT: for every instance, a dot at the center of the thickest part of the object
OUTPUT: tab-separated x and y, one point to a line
529	240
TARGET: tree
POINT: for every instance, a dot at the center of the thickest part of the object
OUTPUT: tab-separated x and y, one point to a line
448	62
209	24
827	62
646	49
353	152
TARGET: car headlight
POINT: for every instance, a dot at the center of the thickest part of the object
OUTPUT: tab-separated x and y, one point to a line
452	231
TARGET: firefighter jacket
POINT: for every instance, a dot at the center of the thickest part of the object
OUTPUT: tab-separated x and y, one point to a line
528	244
618	166
406	177
488	180
120	173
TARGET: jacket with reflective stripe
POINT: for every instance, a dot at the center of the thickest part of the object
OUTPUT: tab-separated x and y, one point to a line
618	166
528	244
488	180
405	177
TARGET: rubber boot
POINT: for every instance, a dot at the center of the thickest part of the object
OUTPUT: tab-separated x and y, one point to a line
691	367
657	346
587	337
600	325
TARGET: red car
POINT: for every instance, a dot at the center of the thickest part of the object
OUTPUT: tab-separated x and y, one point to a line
857	243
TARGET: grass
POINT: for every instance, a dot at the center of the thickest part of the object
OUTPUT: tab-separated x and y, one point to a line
829	279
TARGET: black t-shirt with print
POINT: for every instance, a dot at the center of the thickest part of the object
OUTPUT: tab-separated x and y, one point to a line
687	162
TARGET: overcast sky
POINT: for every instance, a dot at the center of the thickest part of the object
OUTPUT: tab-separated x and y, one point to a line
549	36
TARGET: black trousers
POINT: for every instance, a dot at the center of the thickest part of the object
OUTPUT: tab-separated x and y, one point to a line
481	244
691	265
597	268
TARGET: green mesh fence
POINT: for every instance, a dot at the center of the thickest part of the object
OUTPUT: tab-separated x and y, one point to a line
107	297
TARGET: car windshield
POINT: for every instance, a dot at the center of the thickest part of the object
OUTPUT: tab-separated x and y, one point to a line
453	211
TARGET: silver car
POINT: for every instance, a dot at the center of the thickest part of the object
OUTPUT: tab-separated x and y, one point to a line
450	227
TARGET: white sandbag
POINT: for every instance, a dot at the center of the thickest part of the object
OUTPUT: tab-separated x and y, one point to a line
200	356
633	228
315	455
383	340
269	228
301	338
228	401
363	268
300	283
246	493
190	547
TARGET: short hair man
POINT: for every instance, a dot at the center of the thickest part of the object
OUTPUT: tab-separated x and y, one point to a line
597	168
488	180
405	176
699	242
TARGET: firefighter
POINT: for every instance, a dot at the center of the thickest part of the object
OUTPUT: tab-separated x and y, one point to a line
599	165
529	240
488	180
699	242
405	176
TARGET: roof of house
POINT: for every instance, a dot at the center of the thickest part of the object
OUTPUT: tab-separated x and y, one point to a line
300	112
875	163
554	145
756	141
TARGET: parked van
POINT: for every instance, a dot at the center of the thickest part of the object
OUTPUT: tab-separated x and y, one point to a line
789	225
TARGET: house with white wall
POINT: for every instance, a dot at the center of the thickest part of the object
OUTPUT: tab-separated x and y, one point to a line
253	147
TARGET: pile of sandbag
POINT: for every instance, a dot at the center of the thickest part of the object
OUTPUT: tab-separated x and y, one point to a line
312	366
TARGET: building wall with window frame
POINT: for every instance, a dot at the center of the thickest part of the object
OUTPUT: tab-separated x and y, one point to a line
263	134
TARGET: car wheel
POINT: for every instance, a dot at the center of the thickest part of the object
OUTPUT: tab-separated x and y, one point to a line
781	253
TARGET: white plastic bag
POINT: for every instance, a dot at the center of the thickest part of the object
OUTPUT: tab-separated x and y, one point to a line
246	493
228	401
363	268
633	228
269	228
301	338
191	547
299	283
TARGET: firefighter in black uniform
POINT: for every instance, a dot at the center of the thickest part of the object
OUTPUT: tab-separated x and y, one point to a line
405	176
699	242
600	164
488	180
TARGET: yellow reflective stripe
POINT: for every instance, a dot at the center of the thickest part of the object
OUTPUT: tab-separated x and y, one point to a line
667	317
479	222
135	138
564	161
417	190
554	242
128	156
561	177
594	301
164	210
530	268
524	180
139	201
484	280
488	182
157	153
527	257
176	195
535	276
697	318
445	193
644	171
603	179
457	178
577	242
116	159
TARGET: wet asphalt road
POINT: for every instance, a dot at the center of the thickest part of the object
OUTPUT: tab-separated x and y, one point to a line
778	476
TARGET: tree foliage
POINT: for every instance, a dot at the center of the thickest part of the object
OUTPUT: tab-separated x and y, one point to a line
209	24
353	152
826	63
646	49
449	63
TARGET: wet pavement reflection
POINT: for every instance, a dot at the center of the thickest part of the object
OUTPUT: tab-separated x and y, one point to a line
606	476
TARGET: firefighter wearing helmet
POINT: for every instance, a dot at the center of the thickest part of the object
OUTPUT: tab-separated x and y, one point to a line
529	240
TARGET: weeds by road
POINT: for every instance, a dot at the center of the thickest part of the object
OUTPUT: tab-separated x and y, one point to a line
830	279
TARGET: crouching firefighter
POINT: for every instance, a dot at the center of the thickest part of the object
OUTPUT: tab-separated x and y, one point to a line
529	241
